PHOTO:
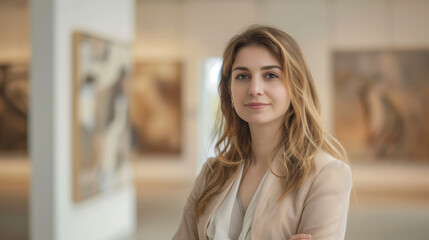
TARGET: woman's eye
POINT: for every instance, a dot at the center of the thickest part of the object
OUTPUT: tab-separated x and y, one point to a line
241	77
271	75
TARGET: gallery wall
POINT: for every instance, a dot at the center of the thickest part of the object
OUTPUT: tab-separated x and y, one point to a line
15	29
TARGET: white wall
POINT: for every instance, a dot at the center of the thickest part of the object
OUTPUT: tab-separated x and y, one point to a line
53	213
194	30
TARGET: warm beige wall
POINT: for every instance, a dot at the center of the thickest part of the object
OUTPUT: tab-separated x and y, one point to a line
14	30
380	24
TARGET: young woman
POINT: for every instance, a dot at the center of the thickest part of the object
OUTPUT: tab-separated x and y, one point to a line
277	173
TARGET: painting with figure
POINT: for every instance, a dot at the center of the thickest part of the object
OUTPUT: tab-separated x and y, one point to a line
102	69
155	108
380	104
14	91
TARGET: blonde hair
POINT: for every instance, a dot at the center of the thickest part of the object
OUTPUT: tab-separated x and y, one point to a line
302	133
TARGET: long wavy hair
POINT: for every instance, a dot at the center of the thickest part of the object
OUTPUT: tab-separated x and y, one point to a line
302	134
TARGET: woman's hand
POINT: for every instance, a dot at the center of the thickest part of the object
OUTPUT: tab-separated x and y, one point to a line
300	237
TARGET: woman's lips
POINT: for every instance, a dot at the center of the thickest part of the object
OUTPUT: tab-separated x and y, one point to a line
256	105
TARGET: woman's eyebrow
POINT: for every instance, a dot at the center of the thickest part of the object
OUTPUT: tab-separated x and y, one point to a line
262	68
240	68
270	67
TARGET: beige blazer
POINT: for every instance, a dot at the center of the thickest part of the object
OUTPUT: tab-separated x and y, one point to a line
319	207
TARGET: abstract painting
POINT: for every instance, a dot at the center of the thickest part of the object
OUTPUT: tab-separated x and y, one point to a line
14	95
102	70
381	110
155	108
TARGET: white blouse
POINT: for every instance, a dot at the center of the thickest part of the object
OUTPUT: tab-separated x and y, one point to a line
230	221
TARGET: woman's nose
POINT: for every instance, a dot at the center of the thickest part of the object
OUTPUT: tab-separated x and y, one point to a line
255	87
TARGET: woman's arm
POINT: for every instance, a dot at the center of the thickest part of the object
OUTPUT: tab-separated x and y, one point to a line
301	236
326	207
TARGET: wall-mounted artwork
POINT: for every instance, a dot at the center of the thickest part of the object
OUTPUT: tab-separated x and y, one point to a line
102	70
14	91
381	104
155	108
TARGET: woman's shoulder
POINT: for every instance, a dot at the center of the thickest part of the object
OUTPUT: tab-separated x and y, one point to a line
328	164
331	176
323	159
208	165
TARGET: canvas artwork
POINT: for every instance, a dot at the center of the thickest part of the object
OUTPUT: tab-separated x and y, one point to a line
14	91
381	110
155	108
101	130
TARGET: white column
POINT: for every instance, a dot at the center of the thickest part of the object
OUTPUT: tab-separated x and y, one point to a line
53	213
42	121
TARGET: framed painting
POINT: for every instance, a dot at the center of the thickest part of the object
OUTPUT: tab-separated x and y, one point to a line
14	96
102	70
155	108
381	110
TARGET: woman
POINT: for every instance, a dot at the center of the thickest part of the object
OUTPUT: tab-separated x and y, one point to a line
276	174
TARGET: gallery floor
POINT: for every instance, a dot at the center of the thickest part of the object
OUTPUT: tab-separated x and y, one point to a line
160	204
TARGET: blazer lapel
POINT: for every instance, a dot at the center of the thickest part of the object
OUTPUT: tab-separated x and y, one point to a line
269	194
214	205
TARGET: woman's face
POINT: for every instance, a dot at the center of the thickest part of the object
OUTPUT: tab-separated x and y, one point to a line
257	87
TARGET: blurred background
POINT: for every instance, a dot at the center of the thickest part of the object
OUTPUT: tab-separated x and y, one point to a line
106	109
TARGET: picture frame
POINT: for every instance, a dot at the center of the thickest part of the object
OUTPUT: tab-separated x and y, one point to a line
379	100
102	72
